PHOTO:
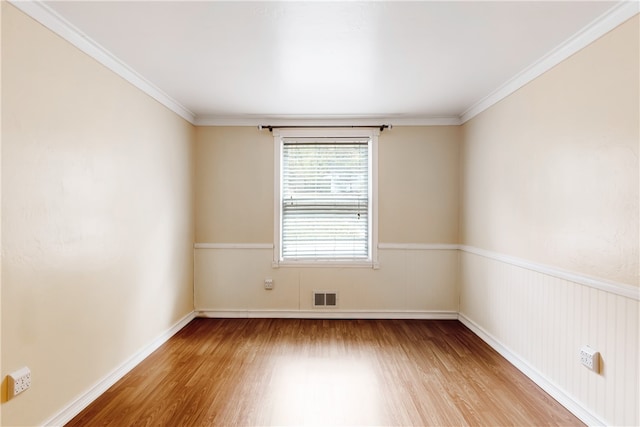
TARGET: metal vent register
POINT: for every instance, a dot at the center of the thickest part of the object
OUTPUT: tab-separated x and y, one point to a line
325	299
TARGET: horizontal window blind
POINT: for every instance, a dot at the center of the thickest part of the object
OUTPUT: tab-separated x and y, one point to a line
325	199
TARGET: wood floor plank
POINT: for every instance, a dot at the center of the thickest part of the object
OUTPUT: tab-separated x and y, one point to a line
249	372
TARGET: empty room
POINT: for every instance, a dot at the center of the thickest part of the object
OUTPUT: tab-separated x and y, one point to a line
320	213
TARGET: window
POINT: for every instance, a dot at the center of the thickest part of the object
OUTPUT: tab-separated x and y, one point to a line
325	203
325	199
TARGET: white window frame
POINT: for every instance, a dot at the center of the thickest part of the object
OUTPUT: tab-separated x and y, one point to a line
279	135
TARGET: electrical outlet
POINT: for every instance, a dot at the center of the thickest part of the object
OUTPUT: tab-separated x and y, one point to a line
19	381
268	283
590	358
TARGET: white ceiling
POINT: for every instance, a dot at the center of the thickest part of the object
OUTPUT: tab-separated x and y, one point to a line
418	60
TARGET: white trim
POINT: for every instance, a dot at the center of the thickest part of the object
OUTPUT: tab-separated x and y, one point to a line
616	288
552	389
420	246
42	13
325	263
301	120
82	401
277	211
587	35
233	245
327	314
373	199
324	132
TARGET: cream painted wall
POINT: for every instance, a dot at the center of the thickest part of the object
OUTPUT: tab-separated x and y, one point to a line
98	184
418	174
418	185
234	185
550	176
416	283
97	219
551	172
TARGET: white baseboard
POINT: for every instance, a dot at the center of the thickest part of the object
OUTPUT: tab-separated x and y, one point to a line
548	386
328	314
82	401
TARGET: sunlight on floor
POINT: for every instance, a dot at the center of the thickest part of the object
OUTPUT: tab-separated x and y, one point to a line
325	391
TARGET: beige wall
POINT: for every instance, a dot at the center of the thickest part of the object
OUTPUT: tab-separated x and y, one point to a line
415	283
551	172
99	183
234	185
419	172
550	176
97	219
418	203
418	185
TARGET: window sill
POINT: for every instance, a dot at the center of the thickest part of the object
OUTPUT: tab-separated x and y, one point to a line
326	264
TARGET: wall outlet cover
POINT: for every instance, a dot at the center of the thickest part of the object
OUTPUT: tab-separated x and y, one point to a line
18	381
590	358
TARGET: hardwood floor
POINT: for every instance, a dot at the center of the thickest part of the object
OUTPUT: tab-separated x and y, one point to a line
228	372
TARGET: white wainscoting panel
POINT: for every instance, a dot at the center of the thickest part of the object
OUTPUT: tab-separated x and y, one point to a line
543	320
230	279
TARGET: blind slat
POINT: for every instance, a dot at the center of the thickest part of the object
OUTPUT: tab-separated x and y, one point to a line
325	199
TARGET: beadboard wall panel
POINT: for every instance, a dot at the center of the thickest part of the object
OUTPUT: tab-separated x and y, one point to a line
544	320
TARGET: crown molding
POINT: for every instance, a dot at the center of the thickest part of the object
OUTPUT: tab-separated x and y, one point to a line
615	16
46	16
303	120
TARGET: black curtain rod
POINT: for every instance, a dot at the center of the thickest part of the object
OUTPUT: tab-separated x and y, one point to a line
271	128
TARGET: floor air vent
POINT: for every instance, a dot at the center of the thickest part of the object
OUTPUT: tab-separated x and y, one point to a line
325	299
